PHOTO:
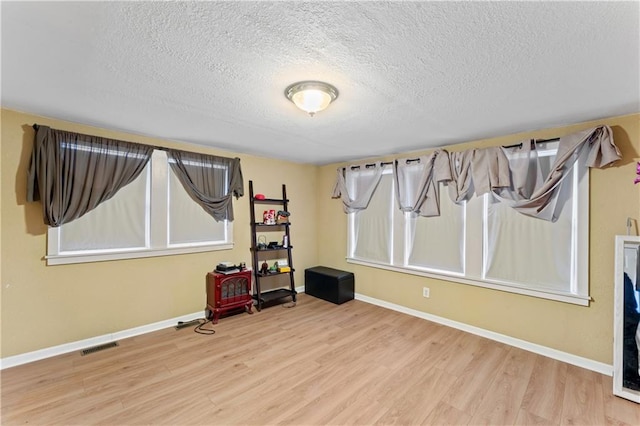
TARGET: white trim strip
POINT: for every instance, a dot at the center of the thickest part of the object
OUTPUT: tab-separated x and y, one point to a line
578	361
28	357
64	259
589	364
452	277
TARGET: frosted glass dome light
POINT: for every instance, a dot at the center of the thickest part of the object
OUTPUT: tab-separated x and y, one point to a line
311	96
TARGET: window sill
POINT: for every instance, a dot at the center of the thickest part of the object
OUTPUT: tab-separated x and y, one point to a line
69	258
511	288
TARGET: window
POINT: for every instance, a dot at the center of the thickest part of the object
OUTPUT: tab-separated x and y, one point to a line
372	235
152	216
437	243
482	241
188	224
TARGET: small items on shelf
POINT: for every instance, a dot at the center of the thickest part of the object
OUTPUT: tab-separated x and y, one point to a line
269	217
279	267
275	218
283	217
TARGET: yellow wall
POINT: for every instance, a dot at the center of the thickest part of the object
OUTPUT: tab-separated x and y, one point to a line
44	306
582	331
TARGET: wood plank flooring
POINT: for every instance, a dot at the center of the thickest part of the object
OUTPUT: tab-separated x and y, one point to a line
314	364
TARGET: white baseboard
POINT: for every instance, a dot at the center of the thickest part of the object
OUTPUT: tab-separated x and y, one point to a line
579	361
589	364
25	358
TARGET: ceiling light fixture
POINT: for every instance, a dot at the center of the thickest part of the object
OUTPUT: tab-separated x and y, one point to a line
311	96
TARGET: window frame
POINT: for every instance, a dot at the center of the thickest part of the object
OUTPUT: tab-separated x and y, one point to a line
475	225
156	227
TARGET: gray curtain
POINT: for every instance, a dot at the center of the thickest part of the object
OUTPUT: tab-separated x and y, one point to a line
518	181
417	182
480	170
365	181
490	170
535	195
461	185
72	173
209	180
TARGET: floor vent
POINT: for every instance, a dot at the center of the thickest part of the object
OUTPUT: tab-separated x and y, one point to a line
186	324
98	348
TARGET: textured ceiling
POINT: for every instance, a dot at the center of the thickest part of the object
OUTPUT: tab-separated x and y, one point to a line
411	75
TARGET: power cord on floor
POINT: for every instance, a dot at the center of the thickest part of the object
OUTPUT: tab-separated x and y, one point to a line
199	328
209	331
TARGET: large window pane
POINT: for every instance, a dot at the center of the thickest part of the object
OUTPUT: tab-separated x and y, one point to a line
188	222
372	233
528	251
437	243
118	223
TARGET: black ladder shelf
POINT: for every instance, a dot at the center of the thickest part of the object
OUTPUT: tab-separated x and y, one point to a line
262	254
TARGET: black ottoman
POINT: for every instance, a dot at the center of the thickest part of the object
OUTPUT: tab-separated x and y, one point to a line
332	285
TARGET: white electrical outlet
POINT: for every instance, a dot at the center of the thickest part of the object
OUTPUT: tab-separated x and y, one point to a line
425	291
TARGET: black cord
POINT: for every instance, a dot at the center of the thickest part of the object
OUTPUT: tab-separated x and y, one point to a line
207	331
198	329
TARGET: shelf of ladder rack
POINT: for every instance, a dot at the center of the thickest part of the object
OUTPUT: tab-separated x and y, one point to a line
280	231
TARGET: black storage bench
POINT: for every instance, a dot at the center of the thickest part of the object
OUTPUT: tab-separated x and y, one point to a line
332	285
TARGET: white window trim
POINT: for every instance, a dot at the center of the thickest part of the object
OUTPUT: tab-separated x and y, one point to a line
87	257
510	288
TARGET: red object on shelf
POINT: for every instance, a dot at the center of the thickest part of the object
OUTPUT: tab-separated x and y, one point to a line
269	217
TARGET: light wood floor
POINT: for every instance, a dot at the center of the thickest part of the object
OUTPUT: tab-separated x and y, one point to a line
317	363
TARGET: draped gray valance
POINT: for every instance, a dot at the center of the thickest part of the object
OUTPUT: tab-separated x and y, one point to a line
536	195
209	180
72	173
513	175
417	182
357	197
477	171
460	187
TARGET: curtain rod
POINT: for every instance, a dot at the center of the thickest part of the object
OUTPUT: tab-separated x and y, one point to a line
533	141
36	126
384	163
410	160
